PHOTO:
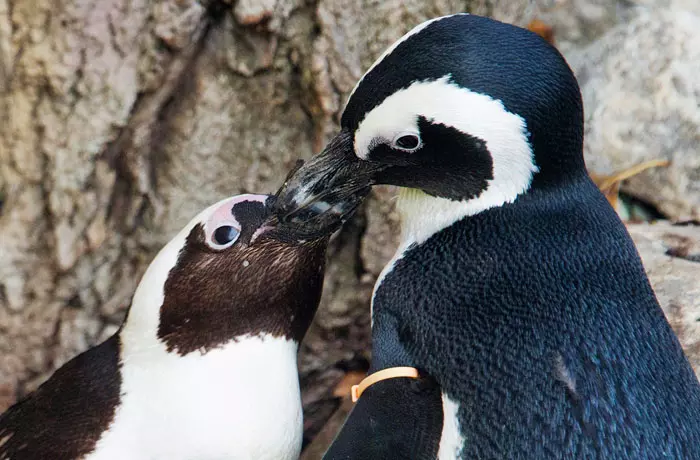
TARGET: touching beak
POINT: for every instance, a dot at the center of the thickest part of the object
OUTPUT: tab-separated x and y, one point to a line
320	195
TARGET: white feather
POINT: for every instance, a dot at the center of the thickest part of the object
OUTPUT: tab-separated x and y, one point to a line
451	441
240	401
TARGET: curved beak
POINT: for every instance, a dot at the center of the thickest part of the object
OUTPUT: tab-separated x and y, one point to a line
321	194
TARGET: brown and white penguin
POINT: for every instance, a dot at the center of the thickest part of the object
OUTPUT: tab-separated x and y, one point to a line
204	366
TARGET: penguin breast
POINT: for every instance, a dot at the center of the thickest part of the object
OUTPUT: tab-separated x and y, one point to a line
238	401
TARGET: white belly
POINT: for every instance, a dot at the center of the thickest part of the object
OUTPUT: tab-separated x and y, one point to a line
451	441
238	402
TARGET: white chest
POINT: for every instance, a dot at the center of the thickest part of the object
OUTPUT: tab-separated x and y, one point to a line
238	402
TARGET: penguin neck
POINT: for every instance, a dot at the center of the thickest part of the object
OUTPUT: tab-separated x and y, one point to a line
214	403
422	215
246	385
141	346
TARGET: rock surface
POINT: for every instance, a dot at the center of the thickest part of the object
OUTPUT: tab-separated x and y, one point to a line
671	256
642	101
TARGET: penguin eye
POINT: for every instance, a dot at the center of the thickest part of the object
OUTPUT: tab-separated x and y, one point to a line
408	142
223	237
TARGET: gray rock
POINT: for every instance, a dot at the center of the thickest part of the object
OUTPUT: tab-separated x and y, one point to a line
641	96
689	5
671	256
579	22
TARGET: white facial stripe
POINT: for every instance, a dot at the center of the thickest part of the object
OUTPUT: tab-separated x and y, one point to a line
476	114
140	331
416	30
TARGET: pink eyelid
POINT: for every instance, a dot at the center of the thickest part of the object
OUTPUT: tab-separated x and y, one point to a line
222	215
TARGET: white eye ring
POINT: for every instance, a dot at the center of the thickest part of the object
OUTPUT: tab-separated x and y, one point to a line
408	136
223	236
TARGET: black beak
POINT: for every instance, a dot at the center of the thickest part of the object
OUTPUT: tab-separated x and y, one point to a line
320	195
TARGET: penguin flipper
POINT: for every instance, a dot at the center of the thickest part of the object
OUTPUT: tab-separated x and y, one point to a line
394	419
66	415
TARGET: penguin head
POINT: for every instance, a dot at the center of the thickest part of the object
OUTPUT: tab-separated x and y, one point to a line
462	108
231	272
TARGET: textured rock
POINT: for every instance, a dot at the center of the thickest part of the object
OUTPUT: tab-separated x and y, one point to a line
578	22
642	98
382	231
688	5
671	256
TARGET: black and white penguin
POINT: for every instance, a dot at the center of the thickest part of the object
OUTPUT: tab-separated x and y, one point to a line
204	366
516	287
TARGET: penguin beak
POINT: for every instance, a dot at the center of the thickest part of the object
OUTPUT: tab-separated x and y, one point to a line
321	194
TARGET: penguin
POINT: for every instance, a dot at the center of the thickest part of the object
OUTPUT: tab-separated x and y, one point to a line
515	287
204	366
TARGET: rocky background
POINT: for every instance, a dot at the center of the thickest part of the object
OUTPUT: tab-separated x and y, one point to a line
122	118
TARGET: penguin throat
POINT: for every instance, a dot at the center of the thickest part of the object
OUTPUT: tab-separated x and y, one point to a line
422	215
